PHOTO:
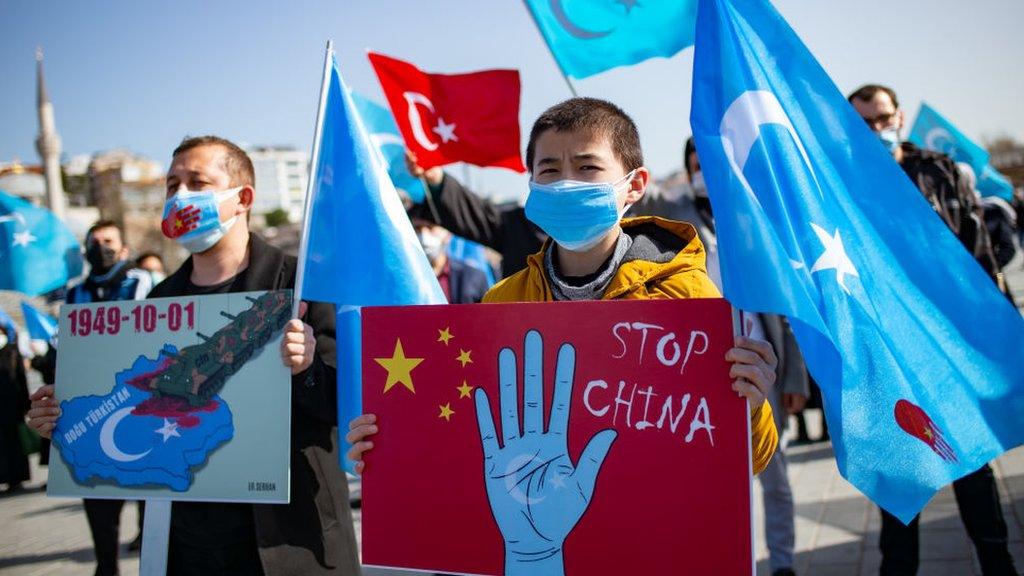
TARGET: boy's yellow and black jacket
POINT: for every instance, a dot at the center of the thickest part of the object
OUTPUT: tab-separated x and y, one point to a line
666	260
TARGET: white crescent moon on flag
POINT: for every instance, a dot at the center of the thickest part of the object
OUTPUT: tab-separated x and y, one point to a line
940	139
412	99
13	217
382	139
741	127
107	438
576	31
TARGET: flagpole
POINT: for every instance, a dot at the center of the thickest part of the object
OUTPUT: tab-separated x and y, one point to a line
565	76
314	161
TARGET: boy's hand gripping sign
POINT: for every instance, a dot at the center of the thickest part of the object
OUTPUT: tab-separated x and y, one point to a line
556	438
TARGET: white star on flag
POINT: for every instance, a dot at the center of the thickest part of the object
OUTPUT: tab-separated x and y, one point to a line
24	238
169	429
834	257
445	131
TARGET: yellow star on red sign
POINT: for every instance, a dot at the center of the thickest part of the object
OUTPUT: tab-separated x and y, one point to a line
444	336
446	412
464	357
399	368
464	390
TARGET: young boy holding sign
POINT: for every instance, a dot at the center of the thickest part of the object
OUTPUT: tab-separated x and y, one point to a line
586	170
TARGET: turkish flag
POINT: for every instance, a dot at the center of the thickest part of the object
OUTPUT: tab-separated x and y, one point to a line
447	118
506	430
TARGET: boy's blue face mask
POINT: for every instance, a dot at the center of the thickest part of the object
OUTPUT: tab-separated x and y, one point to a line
576	215
193	218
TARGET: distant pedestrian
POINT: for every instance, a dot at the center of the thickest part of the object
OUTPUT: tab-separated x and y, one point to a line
14	403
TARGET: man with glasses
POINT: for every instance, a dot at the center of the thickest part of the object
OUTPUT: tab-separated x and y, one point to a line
936	175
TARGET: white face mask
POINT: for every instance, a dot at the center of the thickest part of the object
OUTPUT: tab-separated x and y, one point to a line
433	244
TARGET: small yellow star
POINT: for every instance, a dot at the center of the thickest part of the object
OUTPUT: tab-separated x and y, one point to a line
178	223
464	390
444	336
446	412
928	433
464	357
399	368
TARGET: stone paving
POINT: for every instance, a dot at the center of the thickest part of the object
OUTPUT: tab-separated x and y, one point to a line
836	527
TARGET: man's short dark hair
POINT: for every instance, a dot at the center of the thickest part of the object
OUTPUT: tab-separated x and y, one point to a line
596	116
868	91
237	163
100	225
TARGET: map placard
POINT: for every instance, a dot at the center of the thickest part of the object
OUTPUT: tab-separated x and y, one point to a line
180	398
555	438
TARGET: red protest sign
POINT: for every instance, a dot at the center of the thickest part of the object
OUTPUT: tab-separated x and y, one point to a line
551	438
445	118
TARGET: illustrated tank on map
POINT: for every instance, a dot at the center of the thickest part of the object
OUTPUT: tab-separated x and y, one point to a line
199	371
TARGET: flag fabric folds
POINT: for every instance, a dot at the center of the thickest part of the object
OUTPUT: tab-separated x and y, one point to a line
587	37
447	118
361	249
40	326
38	253
916	351
931	130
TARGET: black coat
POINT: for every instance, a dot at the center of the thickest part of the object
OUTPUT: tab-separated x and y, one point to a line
313	534
505	230
949	194
14	403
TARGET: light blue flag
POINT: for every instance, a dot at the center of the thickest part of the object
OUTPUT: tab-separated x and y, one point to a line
361	248
37	251
385	135
40	326
473	254
588	37
992	183
931	130
917	353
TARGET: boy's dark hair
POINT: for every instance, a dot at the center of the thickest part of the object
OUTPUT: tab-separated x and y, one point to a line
868	91
237	164
101	224
596	116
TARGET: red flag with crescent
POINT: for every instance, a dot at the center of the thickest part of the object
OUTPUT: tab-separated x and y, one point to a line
447	118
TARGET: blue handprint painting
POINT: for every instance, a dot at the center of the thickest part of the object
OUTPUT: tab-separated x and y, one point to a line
568	438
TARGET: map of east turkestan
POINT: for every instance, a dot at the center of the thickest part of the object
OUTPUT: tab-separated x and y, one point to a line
133	437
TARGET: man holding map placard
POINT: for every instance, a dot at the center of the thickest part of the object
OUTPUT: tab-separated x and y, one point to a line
210	190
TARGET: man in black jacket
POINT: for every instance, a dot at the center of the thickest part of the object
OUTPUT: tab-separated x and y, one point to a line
937	177
313	534
451	205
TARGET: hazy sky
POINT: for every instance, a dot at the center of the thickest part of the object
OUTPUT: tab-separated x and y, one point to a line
143	74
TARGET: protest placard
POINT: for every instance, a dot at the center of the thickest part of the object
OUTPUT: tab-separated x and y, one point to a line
173	398
575	438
